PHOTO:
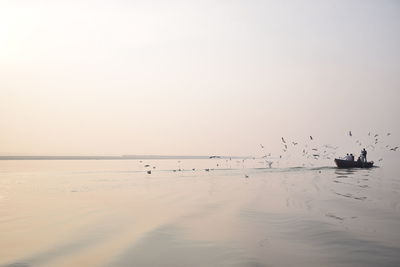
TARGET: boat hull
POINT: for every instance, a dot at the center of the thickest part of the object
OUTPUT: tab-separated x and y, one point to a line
340	163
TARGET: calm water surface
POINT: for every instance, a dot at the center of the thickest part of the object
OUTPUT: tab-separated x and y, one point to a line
113	213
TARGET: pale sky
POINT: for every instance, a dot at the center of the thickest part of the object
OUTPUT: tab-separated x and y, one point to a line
194	77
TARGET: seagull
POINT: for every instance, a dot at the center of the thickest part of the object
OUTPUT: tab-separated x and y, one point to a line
294	143
283	140
376	135
311	137
262	146
380	159
369	133
388	134
394	149
246	176
149	172
350	133
286	146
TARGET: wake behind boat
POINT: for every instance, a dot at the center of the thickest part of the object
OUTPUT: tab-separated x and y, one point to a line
341	163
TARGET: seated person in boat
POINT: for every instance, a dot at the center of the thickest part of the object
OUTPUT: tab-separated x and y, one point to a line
348	157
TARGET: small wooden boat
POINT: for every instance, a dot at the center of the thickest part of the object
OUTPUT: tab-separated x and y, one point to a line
341	163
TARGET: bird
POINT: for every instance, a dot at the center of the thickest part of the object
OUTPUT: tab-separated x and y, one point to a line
149	172
294	143
380	159
394	149
261	146
147	165
350	133
376	135
283	140
311	138
388	134
369	133
285	146
246	176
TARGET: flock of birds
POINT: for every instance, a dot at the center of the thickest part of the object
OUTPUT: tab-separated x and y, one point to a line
308	150
312	150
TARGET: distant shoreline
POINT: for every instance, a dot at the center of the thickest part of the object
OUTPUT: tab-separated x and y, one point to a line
123	157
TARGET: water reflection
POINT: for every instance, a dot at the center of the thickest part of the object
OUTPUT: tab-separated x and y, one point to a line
114	214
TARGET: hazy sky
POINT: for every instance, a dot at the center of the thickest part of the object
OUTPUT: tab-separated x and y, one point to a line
194	77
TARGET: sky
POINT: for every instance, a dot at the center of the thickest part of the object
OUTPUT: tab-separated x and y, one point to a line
194	77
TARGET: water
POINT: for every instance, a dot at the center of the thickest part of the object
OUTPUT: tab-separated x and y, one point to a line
112	213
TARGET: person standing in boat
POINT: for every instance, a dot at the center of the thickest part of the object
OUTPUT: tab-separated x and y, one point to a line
364	155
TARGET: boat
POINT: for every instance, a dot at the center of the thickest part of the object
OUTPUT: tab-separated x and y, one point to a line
341	163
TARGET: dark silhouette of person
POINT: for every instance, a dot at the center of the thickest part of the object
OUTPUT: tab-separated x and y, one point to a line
364	155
